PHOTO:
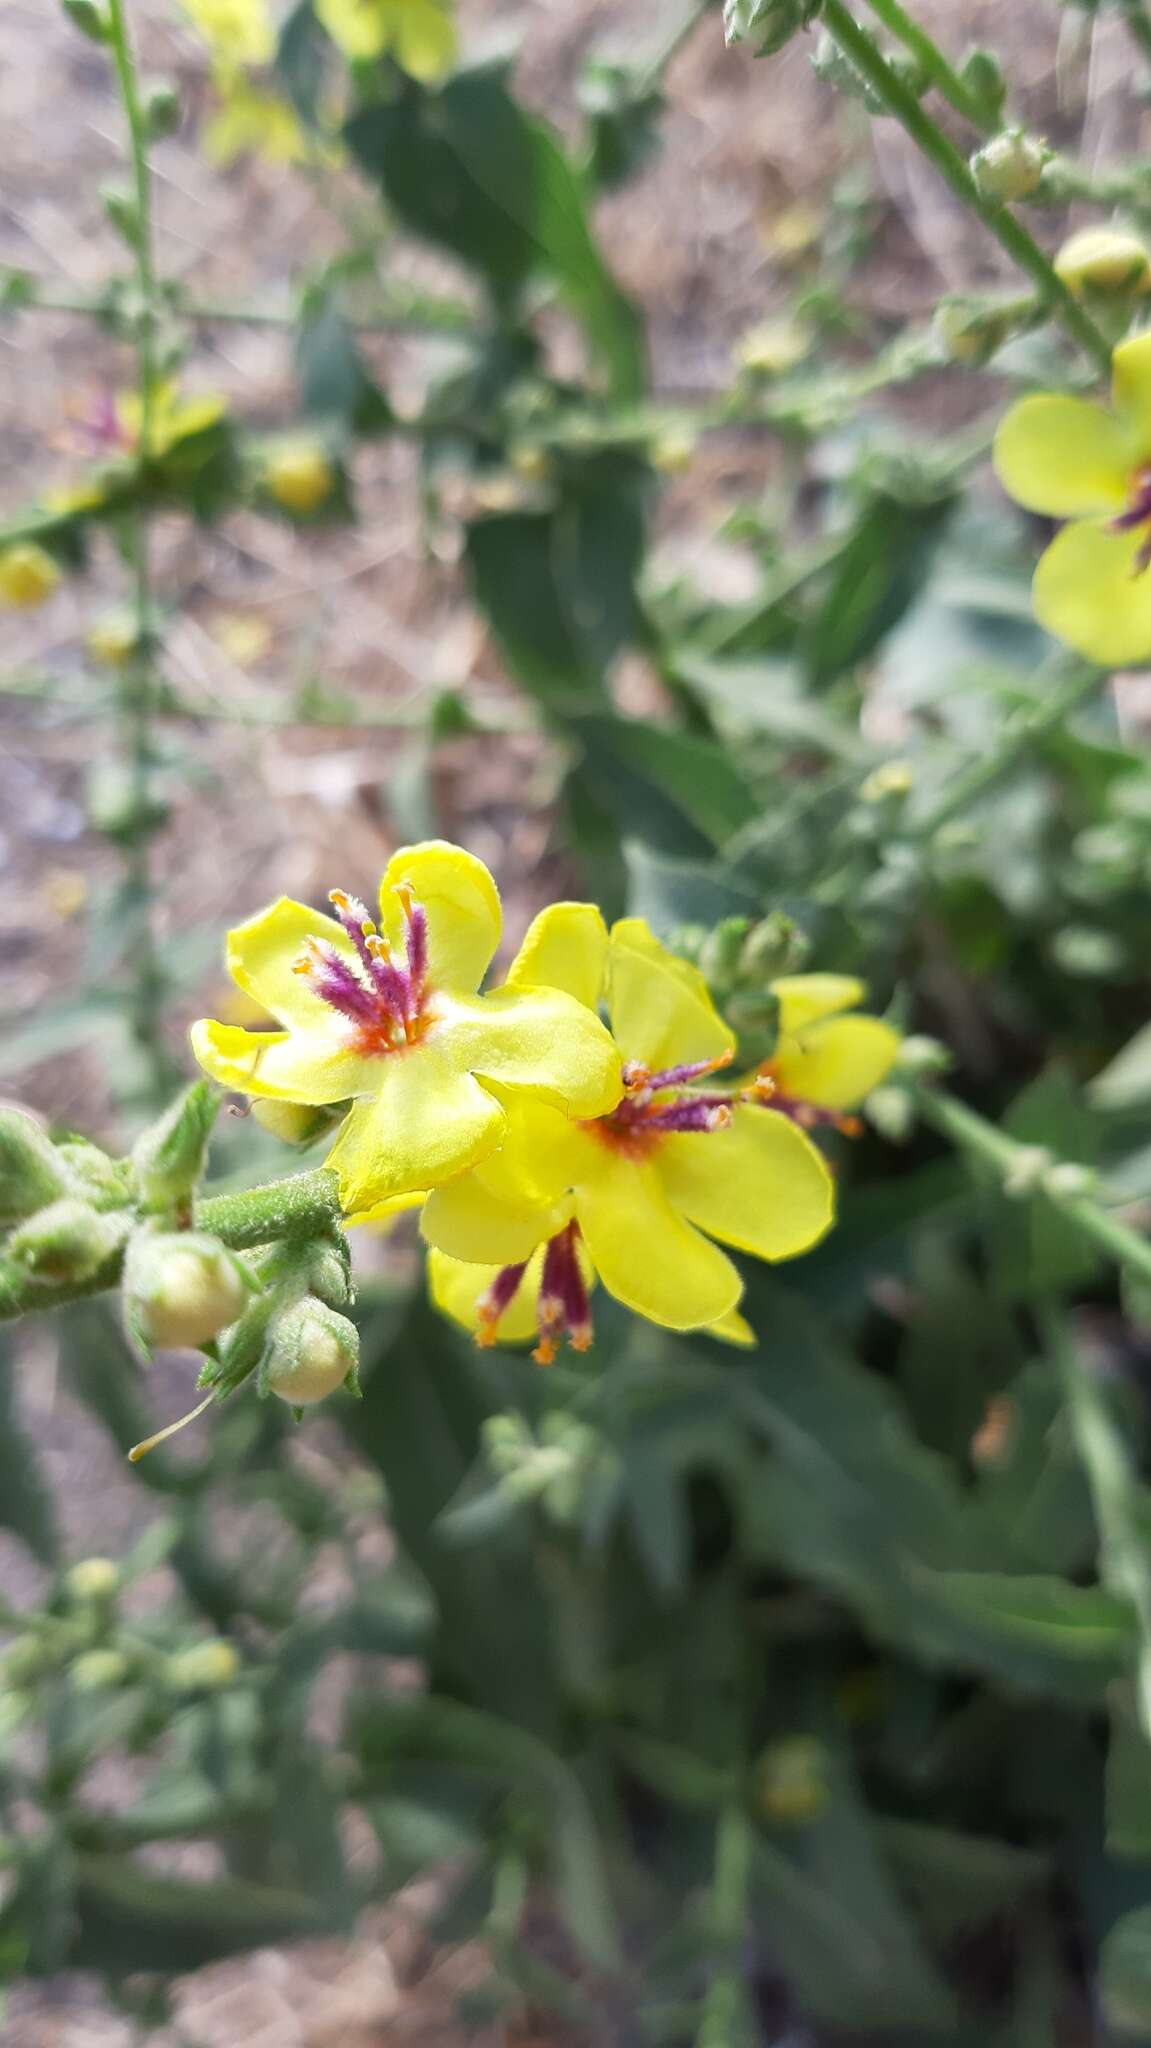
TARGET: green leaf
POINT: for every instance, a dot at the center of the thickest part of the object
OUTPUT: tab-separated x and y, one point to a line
128	1913
302	52
26	1505
878	574
334	383
1128	1785
958	1881
1038	1632
1126	1082
670	891
666	788
1125	1975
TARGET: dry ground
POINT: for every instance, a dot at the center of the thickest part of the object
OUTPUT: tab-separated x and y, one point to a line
257	612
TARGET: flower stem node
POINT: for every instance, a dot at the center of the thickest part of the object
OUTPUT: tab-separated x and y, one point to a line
28	575
206	1667
1067	1182
792	1780
31	1172
312	1352
93	1582
168	1159
1027	1172
181	1288
299	475
1010	166
1113	261
67	1242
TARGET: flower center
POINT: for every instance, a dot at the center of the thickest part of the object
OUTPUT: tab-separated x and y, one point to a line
656	1104
766	1090
562	1306
1138	513
382	994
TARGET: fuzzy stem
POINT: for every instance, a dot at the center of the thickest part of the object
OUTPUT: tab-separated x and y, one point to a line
1124	1560
136	677
930	57
863	52
722	2020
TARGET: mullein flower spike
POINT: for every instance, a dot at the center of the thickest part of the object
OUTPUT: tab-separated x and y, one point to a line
382	1013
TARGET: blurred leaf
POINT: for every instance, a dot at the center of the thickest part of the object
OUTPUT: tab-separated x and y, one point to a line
1031	1507
880	571
1128	1785
670	891
1125	1975
334	383
1125	1083
958	1881
666	787
26	1504
128	1913
302	52
765	696
1037	1632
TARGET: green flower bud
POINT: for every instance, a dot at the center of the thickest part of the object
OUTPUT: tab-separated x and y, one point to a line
1027	1171
1108	260
206	1667
329	1276
1067	1181
115	806
24	1664
982	74
311	1352
88	17
769	24
168	1159
792	1780
720	954
31	1173
775	945
95	1580
891	1112
1088	952
101	1181
161	109
99	1670
67	1241
121	212
181	1288
970	331
1010	166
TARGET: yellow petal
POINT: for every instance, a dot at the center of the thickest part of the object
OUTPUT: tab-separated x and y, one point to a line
462	1219
361	28
661	1012
535	1038
1065	457
761	1185
804	998
564	947
462	905
262	954
424	42
646	1254
383	1216
1089	591
312	1067
734	1329
456	1288
1131	390
428	1121
837	1062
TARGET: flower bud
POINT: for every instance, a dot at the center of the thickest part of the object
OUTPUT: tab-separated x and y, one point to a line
113	639
722	949
28	575
982	74
1010	166
1104	260
891	778
891	1112
793	1786
768	24
94	1580
31	1172
121	211
773	347
1027	1171
206	1667
116	807
1067	1182
775	945
329	1276
88	17
99	1670
531	462
67	1241
168	1158
922	1055
181	1288
101	1181
970	331
312	1351
299	476
293	1122
672	452
161	109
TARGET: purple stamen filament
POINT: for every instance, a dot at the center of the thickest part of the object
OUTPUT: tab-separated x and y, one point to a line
382	996
1137	513
562	1306
685	1109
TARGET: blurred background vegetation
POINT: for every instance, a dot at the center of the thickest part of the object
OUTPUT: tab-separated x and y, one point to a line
584	457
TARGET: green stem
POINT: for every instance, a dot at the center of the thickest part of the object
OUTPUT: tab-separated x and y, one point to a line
1008	1159
722	2021
933	63
973	783
306	1205
1124	1559
864	53
137	682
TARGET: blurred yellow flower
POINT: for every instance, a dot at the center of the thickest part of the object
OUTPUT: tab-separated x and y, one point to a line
239	31
419	34
251	121
28	575
383	1014
112	638
172	419
1076	460
299	475
633	1191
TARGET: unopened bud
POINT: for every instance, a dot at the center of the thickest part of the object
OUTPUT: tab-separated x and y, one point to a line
971	331
101	1181
1111	260
1067	1181
311	1352
299	476
891	778
982	74
67	1241
721	951
767	24
121	211
793	1786
530	461
293	1122
94	1579
1010	166
206	1667
922	1055
88	17
168	1159
773	347
113	639
775	945
891	1112
161	109
329	1277
31	1173
116	806
672	452
1027	1171
99	1670
181	1288
28	575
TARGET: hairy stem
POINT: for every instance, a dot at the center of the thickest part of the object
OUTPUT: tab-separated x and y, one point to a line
863	52
934	64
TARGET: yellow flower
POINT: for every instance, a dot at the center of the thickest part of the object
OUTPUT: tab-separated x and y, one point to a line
299	476
240	31
1075	460
250	121
28	575
384	1014
419	34
635	1189
827	1058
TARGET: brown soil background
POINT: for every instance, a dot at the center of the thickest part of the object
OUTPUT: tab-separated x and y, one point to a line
258	611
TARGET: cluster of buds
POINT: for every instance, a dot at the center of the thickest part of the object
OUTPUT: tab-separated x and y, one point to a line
551	1468
76	1219
739	959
